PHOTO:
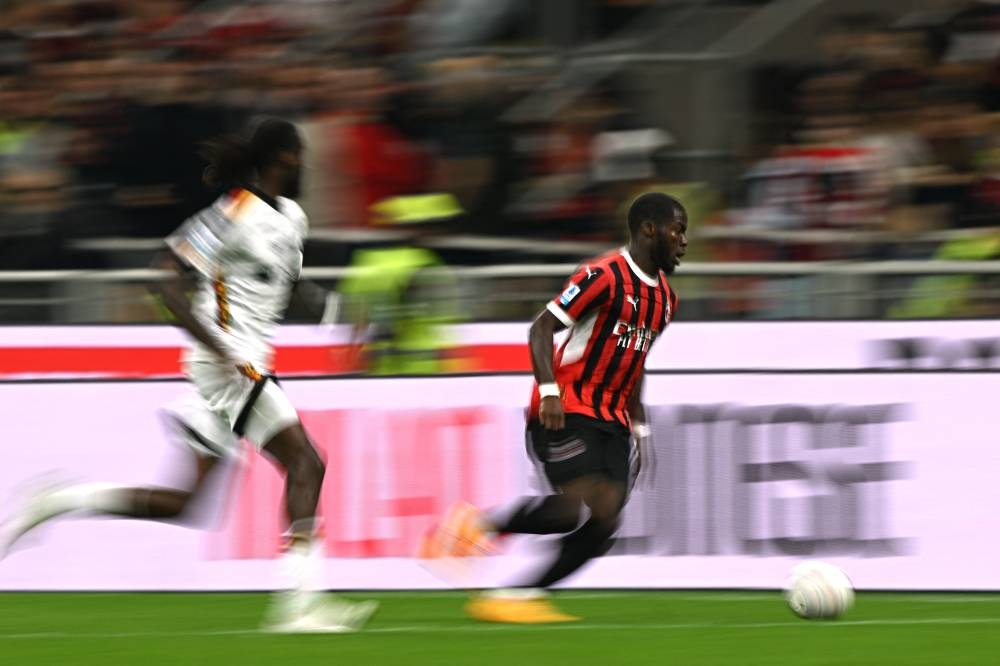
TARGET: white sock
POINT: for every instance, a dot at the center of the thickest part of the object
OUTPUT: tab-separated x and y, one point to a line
94	497
300	569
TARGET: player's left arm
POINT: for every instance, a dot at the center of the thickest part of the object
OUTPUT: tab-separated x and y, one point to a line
322	303
641	431
636	408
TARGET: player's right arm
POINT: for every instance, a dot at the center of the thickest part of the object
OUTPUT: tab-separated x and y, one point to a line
587	290
540	339
197	246
173	292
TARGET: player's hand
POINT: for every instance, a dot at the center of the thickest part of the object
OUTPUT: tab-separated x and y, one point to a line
643	459
551	414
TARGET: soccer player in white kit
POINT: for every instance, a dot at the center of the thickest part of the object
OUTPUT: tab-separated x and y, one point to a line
246	253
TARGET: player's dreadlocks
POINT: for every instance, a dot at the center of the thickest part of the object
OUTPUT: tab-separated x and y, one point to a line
233	159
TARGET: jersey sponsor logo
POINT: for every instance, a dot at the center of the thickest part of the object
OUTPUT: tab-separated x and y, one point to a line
638	338
571	292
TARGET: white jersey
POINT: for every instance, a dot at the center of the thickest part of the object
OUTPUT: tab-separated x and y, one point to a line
248	254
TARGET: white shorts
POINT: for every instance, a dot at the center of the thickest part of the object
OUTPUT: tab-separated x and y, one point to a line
229	406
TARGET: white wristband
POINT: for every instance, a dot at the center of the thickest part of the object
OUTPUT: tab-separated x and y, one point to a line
550	390
641	430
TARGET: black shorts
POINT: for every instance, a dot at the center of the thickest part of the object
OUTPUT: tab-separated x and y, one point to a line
584	447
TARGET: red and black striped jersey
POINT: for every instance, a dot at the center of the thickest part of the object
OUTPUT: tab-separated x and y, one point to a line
614	311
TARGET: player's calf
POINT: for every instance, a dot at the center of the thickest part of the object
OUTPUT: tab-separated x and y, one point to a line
304	471
554	514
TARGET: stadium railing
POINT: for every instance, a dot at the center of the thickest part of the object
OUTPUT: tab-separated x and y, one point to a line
709	290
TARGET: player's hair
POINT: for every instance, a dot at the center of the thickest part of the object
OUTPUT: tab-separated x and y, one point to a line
657	207
233	159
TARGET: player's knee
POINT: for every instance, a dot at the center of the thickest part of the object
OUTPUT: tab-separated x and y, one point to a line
598	513
183	503
319	468
565	514
606	503
163	504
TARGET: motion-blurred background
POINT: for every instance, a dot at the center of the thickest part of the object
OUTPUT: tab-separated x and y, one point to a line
838	158
840	161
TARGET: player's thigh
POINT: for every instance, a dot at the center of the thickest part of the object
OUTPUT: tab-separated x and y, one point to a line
598	475
605	498
269	419
616	451
206	433
223	390
570	454
608	497
259	411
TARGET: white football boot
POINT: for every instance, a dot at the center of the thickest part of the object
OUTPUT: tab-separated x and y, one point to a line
36	508
316	613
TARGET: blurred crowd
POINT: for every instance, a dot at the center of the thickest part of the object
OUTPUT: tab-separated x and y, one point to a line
887	147
103	104
891	127
896	128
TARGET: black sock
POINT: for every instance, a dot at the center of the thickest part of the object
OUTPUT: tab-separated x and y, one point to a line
553	514
592	540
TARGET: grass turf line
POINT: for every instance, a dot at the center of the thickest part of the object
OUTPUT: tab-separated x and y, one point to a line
620	628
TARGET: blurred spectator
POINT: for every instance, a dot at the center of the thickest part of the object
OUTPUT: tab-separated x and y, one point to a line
402	299
951	296
33	202
463	23
371	157
473	157
888	133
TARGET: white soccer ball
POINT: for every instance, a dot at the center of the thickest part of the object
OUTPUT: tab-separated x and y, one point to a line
817	590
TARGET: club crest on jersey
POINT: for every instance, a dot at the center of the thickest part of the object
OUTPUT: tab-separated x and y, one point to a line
571	291
638	338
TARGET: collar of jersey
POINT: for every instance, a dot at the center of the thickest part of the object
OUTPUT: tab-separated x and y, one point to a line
269	200
651	281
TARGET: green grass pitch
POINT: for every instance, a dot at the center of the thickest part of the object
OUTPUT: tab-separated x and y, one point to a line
631	628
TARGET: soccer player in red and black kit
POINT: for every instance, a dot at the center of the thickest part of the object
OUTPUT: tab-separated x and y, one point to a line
585	408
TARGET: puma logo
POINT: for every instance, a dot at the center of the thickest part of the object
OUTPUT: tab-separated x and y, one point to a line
590	273
633	300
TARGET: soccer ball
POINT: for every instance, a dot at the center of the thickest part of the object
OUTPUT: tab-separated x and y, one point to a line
816	590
